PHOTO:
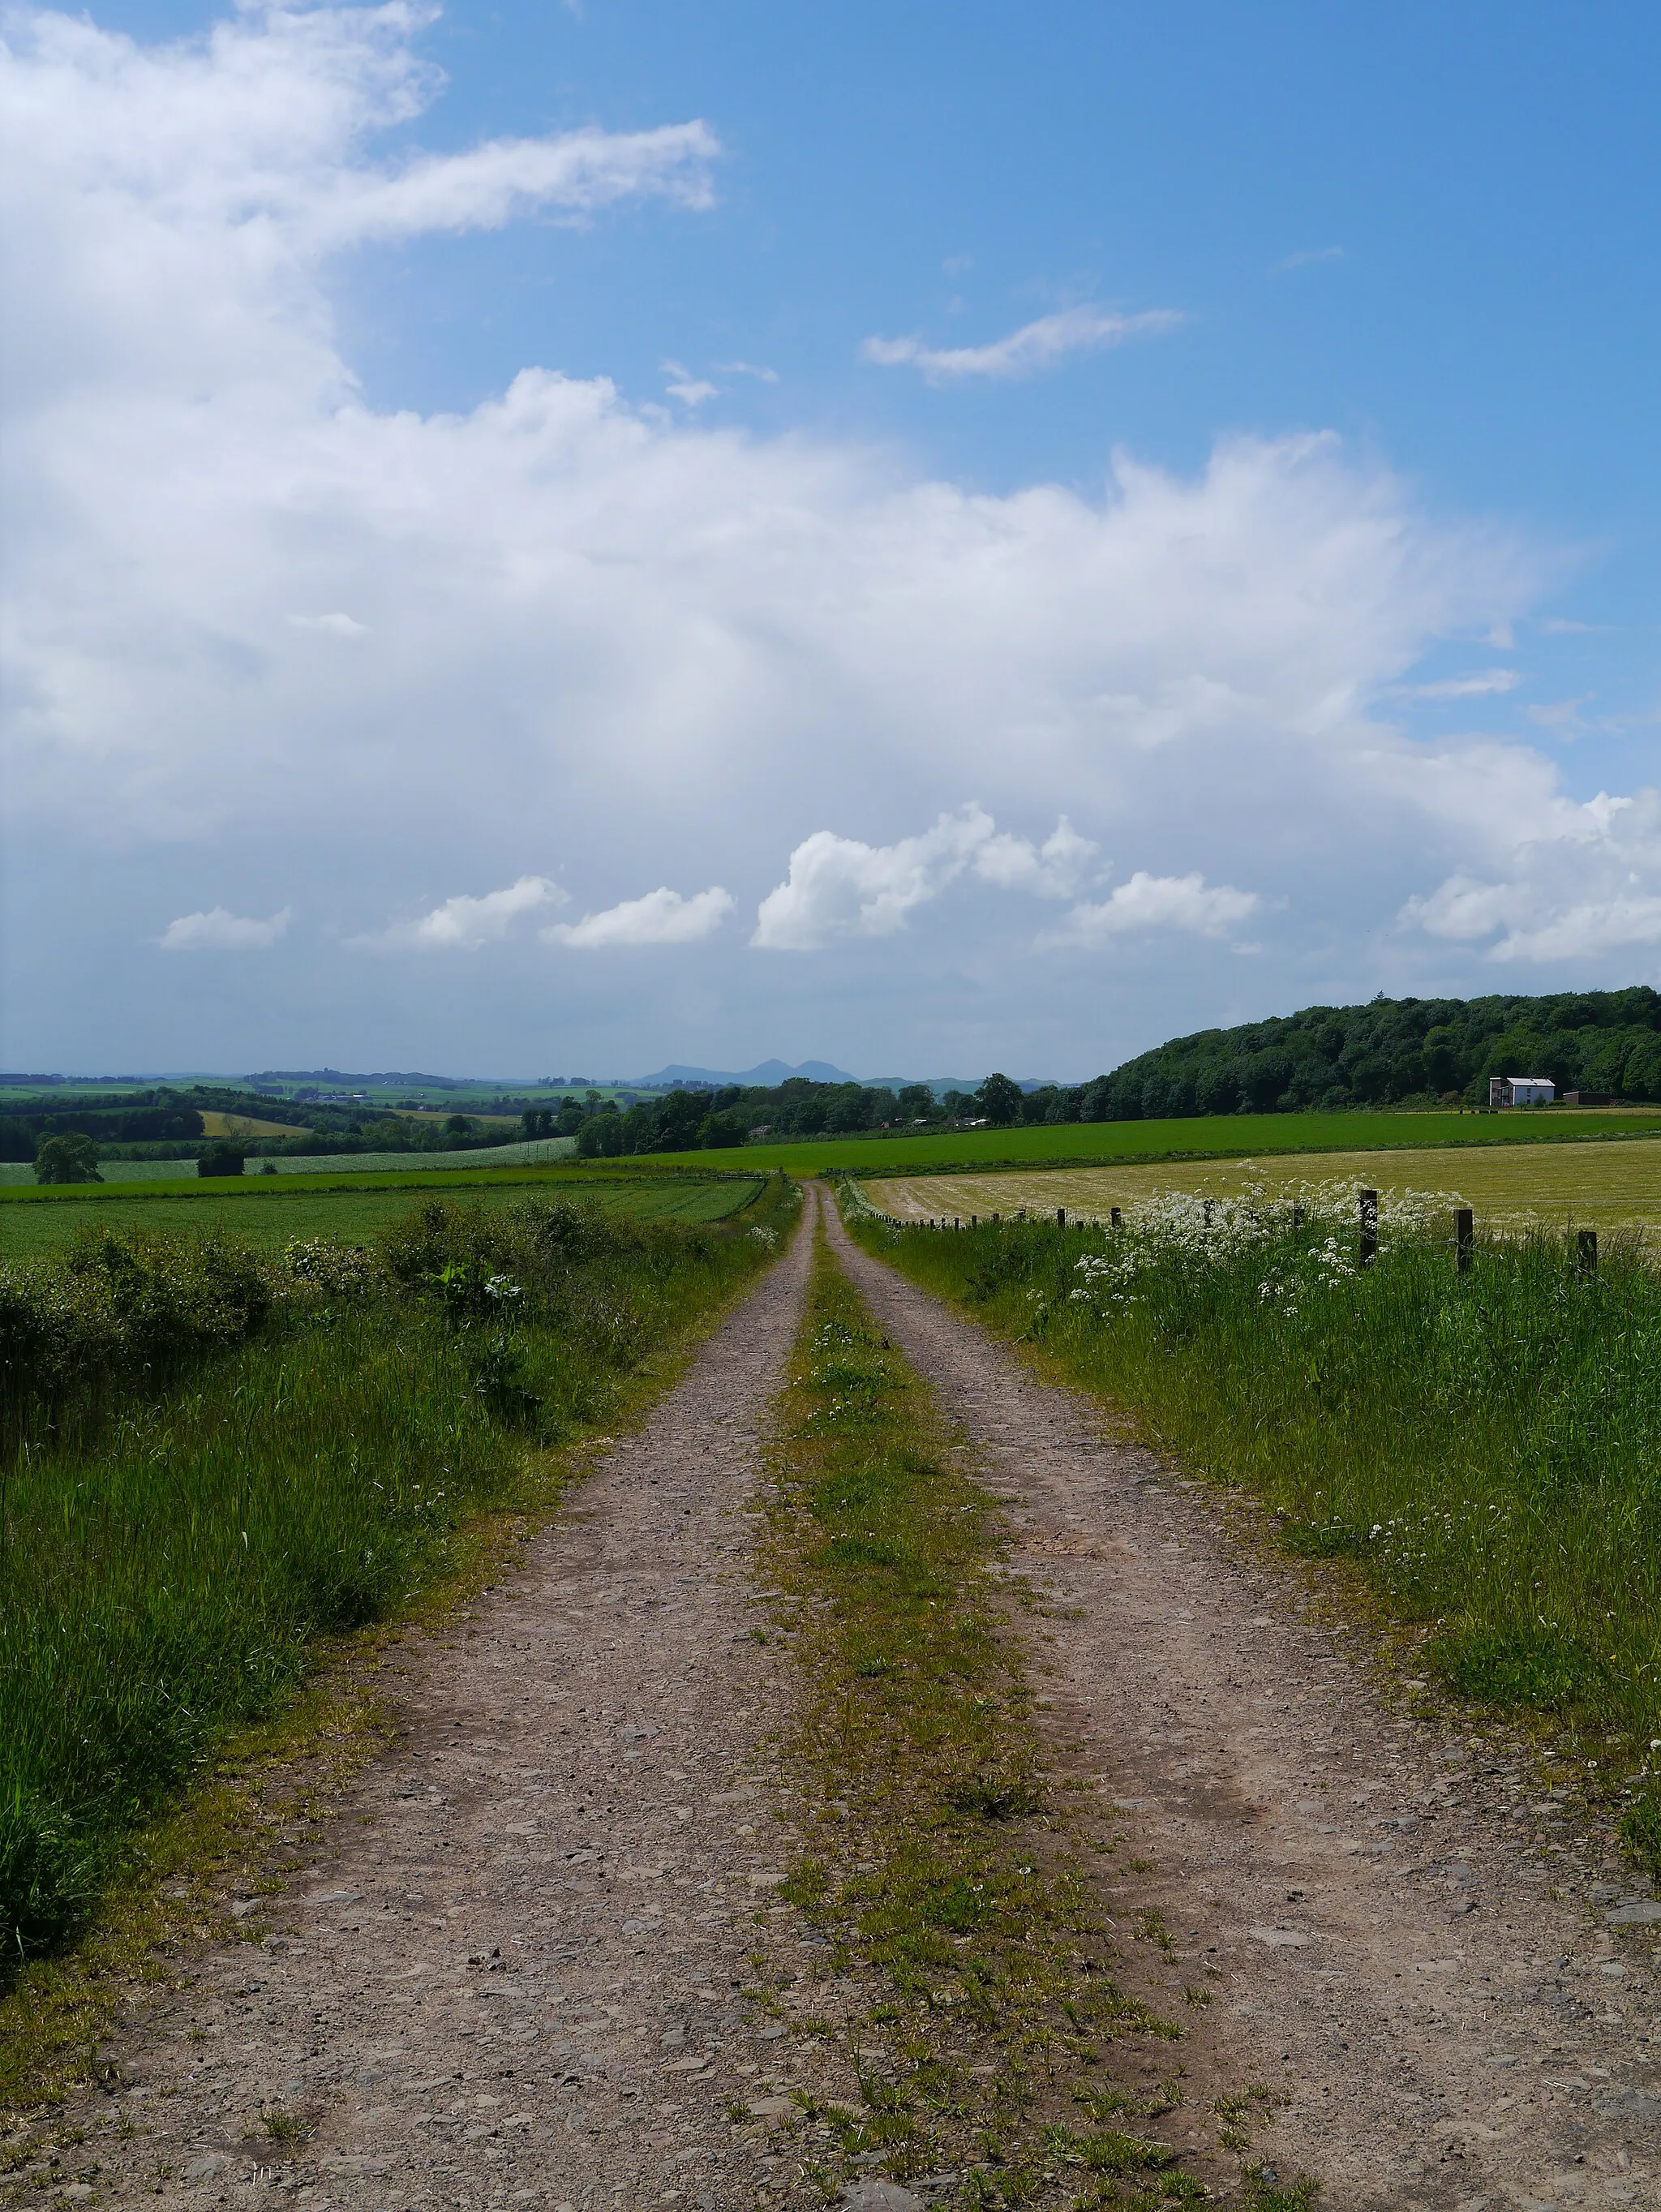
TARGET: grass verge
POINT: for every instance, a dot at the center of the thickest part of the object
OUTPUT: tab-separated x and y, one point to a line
1477	1451
937	1846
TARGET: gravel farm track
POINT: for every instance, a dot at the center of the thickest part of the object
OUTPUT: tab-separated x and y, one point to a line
510	1971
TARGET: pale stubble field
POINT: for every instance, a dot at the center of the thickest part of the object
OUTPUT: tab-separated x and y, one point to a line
1599	1185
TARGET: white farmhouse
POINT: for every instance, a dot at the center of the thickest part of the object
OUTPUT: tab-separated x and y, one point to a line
1520	1091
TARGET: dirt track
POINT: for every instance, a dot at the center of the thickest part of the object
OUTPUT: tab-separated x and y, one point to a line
512	1977
1409	1944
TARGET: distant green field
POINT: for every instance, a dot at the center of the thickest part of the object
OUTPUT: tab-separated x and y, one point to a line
534	1151
1222	1136
351	1213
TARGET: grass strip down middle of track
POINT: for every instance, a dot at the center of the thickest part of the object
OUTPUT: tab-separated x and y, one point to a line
938	1848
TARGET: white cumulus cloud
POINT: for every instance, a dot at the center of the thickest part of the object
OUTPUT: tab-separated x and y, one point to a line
649	638
219	930
1052	870
1036	345
1147	902
661	917
1568	882
464	924
839	887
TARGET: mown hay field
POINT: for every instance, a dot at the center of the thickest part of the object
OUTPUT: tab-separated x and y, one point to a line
272	1218
1593	1186
215	1124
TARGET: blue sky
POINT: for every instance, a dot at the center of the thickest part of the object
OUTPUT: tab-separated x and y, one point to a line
1035	529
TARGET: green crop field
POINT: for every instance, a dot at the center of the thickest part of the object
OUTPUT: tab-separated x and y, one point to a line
1222	1136
270	1214
531	1151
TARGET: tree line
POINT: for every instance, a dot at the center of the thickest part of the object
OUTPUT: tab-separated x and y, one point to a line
1390	1051
1398	1052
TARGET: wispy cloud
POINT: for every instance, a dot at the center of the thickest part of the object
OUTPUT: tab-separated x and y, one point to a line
464	924
1477	683
219	930
1024	352
335	625
1562	717
1565	626
755	368
489	185
1308	258
691	391
661	917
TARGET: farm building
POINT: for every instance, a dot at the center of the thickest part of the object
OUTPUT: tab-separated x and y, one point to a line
1520	1091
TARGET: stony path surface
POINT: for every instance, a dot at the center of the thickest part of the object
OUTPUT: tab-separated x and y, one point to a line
512	1976
1404	1938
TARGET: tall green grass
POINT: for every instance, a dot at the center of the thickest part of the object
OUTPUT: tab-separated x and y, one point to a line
215	1456
1486	1448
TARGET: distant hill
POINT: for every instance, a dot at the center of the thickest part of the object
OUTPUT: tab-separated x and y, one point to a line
1394	1052
767	1076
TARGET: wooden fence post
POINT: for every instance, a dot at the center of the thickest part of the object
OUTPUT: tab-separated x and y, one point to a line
1368	1249
1206	1210
1464	1239
1061	1217
974	1221
1297	1213
1585	1253
1115	1218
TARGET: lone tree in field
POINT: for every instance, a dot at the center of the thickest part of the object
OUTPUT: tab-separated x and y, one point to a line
999	1099
66	1159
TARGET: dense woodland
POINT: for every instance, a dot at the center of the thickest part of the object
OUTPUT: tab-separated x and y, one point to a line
1397	1052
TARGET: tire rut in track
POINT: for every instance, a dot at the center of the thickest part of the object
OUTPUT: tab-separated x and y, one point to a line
1405	1942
